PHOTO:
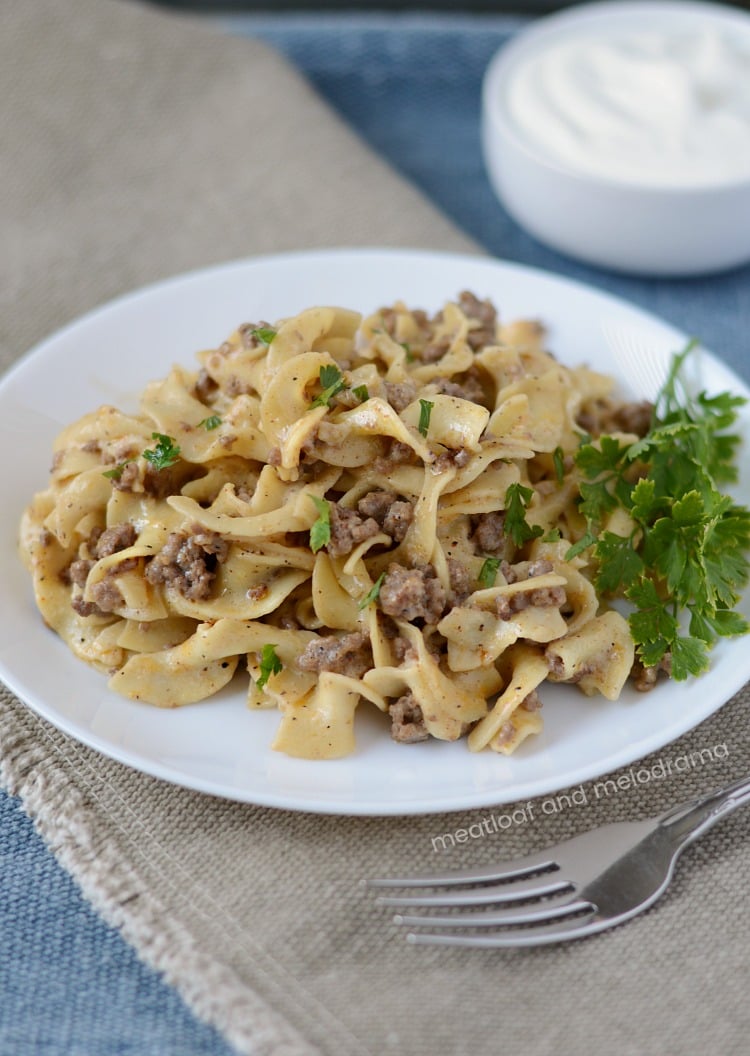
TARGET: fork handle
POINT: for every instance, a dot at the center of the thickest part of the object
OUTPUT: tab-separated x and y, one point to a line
688	821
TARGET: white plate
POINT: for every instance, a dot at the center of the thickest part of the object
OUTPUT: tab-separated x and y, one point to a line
219	746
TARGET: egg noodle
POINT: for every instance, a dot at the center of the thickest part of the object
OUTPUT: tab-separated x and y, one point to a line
360	511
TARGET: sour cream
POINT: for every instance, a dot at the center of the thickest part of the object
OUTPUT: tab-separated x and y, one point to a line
665	107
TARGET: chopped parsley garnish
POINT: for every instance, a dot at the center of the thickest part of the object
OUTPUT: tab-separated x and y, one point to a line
687	553
212	422
558	460
488	572
408	351
116	472
264	334
372	593
425	411
360	391
269	665
517	499
164	454
332	382
320	533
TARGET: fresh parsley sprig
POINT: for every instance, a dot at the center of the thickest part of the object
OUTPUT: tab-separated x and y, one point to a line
270	664
372	593
116	472
263	334
320	533
209	424
332	382
165	453
488	572
686	556
425	413
517	499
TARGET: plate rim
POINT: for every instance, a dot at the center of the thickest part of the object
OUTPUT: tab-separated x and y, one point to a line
543	785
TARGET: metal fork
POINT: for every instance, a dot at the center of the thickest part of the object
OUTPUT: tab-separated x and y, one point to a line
584	885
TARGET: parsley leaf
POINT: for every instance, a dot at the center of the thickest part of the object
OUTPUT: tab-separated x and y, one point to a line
116	472
425	411
619	563
517	499
264	334
320	533
488	572
558	461
166	452
360	391
586	540
270	664
372	593
212	422
332	382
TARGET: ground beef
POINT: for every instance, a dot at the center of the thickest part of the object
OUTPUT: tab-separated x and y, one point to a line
557	668
188	562
532	702
645	678
541	597
205	386
396	454
509	572
347	399
540	567
407	721
347	655
460	580
348	530
83	608
236	386
506	605
114	539
105	595
77	572
448	459
376	504
489	532
504	734
392	514
101	543
155	482
603	416
435	350
485	313
400	394
468	388
128	478
634	417
412	594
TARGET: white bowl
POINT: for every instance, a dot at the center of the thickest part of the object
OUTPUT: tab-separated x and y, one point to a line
632	226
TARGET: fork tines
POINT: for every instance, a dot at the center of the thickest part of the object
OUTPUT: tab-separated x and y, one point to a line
527	902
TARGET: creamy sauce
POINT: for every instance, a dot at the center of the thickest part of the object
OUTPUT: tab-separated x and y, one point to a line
663	107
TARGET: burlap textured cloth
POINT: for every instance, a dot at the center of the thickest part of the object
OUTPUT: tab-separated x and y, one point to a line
136	145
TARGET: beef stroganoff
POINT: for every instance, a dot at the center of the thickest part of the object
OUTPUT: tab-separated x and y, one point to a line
377	512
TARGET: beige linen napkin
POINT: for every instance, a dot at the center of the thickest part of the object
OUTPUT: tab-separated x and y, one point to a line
137	145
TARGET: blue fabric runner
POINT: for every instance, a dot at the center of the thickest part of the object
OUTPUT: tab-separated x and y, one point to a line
411	86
